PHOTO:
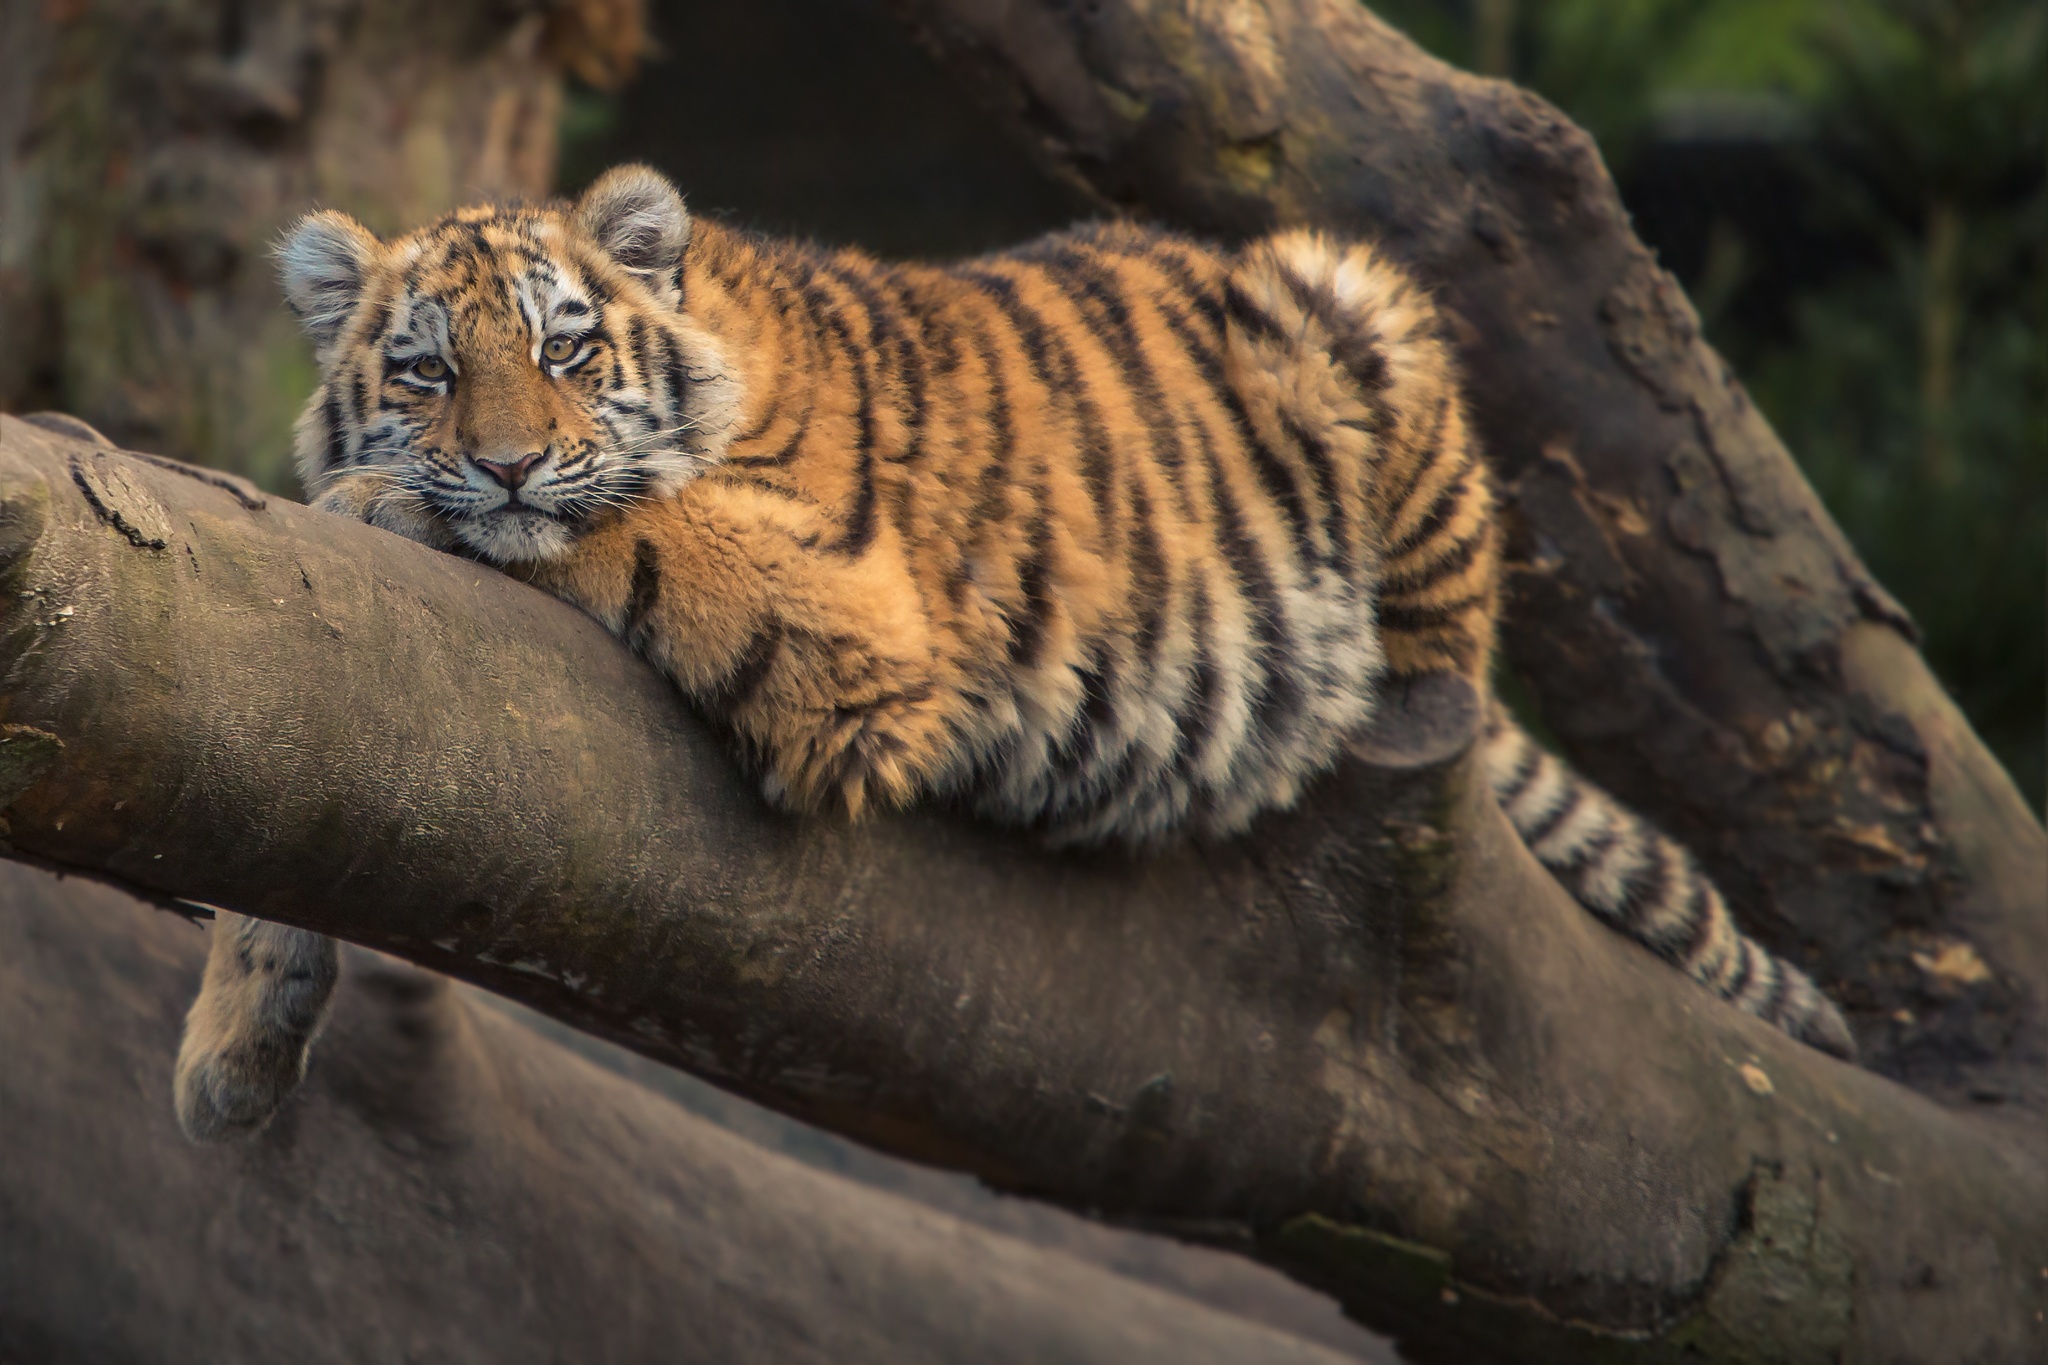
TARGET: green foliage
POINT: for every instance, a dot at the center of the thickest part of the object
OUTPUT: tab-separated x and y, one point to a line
1910	375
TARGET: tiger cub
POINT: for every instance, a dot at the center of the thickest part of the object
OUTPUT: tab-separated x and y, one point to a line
1112	535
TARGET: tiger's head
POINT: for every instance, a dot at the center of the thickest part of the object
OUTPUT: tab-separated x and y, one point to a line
495	380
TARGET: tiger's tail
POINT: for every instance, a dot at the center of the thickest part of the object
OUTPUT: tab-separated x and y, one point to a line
1647	886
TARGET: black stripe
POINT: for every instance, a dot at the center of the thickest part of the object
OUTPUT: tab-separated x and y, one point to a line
1581	863
1275	480
626	407
1574	796
1429	450
337	444
860	523
1781	987
887	334
1450	563
992	487
1027	632
1246	313
1406	619
1106	313
1446	506
1098	708
1149	586
1206	300
1354	343
1197	718
767	420
1278	687
750	668
1647	886
1054	366
788	452
645	592
859	530
661	372
1735	988
1315	455
1696	919
782	456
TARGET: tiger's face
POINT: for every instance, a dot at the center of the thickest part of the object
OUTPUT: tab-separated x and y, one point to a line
499	379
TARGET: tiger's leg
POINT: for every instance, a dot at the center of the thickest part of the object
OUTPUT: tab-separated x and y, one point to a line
821	664
262	1001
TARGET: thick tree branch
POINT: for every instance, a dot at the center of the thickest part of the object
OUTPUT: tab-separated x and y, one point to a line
1693	625
450	1187
1372	1042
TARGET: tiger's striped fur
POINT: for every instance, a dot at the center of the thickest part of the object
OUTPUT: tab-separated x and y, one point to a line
1111	535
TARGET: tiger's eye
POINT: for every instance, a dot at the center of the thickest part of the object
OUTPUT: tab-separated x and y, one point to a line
559	349
430	367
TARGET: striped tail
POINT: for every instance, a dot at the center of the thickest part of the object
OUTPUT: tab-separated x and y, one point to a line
1648	887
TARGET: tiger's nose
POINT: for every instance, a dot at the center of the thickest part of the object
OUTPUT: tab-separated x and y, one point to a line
510	475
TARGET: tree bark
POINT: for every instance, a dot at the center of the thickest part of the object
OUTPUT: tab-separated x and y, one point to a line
1692	626
449	1187
151	151
1372	1043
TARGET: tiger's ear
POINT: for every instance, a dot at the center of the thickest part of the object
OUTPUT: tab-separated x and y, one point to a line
638	218
325	261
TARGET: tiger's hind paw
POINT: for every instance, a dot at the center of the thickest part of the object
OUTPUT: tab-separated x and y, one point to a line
862	761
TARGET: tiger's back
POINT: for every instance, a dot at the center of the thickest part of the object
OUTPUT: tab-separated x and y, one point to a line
1162	517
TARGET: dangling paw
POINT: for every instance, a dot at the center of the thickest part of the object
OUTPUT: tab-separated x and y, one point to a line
263	999
227	1087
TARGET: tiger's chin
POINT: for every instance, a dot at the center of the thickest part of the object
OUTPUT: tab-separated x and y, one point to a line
516	536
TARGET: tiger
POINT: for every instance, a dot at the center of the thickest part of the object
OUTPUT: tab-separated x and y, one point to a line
1114	536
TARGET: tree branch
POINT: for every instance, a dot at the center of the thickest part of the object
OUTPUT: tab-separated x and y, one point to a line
448	1186
1372	1042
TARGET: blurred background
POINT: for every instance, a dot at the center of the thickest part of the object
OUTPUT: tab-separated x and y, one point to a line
1852	191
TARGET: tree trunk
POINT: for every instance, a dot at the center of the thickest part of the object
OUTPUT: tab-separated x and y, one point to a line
152	150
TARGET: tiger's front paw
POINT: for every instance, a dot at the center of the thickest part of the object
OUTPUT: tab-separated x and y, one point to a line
264	997
228	1087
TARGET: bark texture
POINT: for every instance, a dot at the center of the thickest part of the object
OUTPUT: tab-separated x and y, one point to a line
1692	626
1372	1043
450	1187
152	150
